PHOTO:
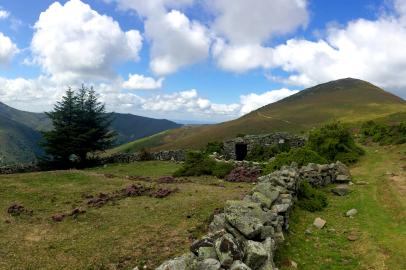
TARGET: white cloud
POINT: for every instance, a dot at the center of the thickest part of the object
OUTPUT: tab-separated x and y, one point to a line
242	58
4	14
188	101
243	27
140	82
369	50
7	49
72	41
256	21
155	7
254	101
176	41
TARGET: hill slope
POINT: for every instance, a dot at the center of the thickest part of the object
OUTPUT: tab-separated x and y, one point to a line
347	100
20	132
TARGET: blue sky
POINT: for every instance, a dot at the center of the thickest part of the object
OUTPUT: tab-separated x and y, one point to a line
208	60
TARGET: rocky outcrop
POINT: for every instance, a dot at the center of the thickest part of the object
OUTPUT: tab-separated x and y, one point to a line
246	235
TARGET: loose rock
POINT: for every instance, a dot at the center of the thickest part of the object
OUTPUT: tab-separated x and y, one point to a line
351	213
319	223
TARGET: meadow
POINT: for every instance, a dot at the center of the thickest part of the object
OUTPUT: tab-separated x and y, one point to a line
144	230
134	231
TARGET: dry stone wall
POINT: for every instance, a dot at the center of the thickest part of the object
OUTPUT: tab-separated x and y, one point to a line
264	140
19	168
173	155
247	234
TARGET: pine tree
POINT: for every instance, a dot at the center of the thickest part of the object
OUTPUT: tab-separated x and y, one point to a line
81	126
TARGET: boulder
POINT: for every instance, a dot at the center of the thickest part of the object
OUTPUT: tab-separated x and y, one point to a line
261	199
268	190
218	223
247	217
239	265
340	191
208	264
228	250
343	179
255	254
267	231
185	262
204	242
206	253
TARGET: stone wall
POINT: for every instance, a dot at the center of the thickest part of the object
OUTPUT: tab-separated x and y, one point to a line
263	140
248	232
19	168
174	155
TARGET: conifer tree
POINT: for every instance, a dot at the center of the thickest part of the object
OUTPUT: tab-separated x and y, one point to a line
80	126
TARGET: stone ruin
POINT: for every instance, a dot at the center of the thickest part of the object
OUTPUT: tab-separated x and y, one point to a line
247	234
239	148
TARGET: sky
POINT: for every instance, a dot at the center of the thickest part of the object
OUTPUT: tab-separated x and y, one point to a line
201	60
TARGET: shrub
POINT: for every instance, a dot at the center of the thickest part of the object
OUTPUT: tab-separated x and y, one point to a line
264	153
212	147
302	156
334	141
222	169
145	155
382	133
197	163
310	198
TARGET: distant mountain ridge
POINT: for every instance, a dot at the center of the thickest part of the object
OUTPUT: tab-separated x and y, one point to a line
20	132
347	100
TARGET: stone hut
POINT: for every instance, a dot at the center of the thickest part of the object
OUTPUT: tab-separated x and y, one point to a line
239	148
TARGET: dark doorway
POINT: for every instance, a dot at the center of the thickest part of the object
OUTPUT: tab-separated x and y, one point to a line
240	151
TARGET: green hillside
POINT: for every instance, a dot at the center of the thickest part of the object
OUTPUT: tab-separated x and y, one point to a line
347	100
20	132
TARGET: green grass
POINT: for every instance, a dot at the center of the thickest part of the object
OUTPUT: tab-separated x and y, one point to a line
133	231
380	223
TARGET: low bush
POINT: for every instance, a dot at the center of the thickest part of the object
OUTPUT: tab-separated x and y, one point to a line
334	142
302	156
222	169
145	155
212	147
197	164
264	153
310	198
382	133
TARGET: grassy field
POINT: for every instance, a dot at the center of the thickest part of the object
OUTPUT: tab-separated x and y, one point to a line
121	235
145	231
380	225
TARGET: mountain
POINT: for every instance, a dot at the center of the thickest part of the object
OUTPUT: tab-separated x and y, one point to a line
20	132
132	127
347	100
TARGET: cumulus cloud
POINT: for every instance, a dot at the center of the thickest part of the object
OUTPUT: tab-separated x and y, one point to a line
243	27
140	82
7	49
254	101
176	41
365	49
72	41
188	101
256	21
